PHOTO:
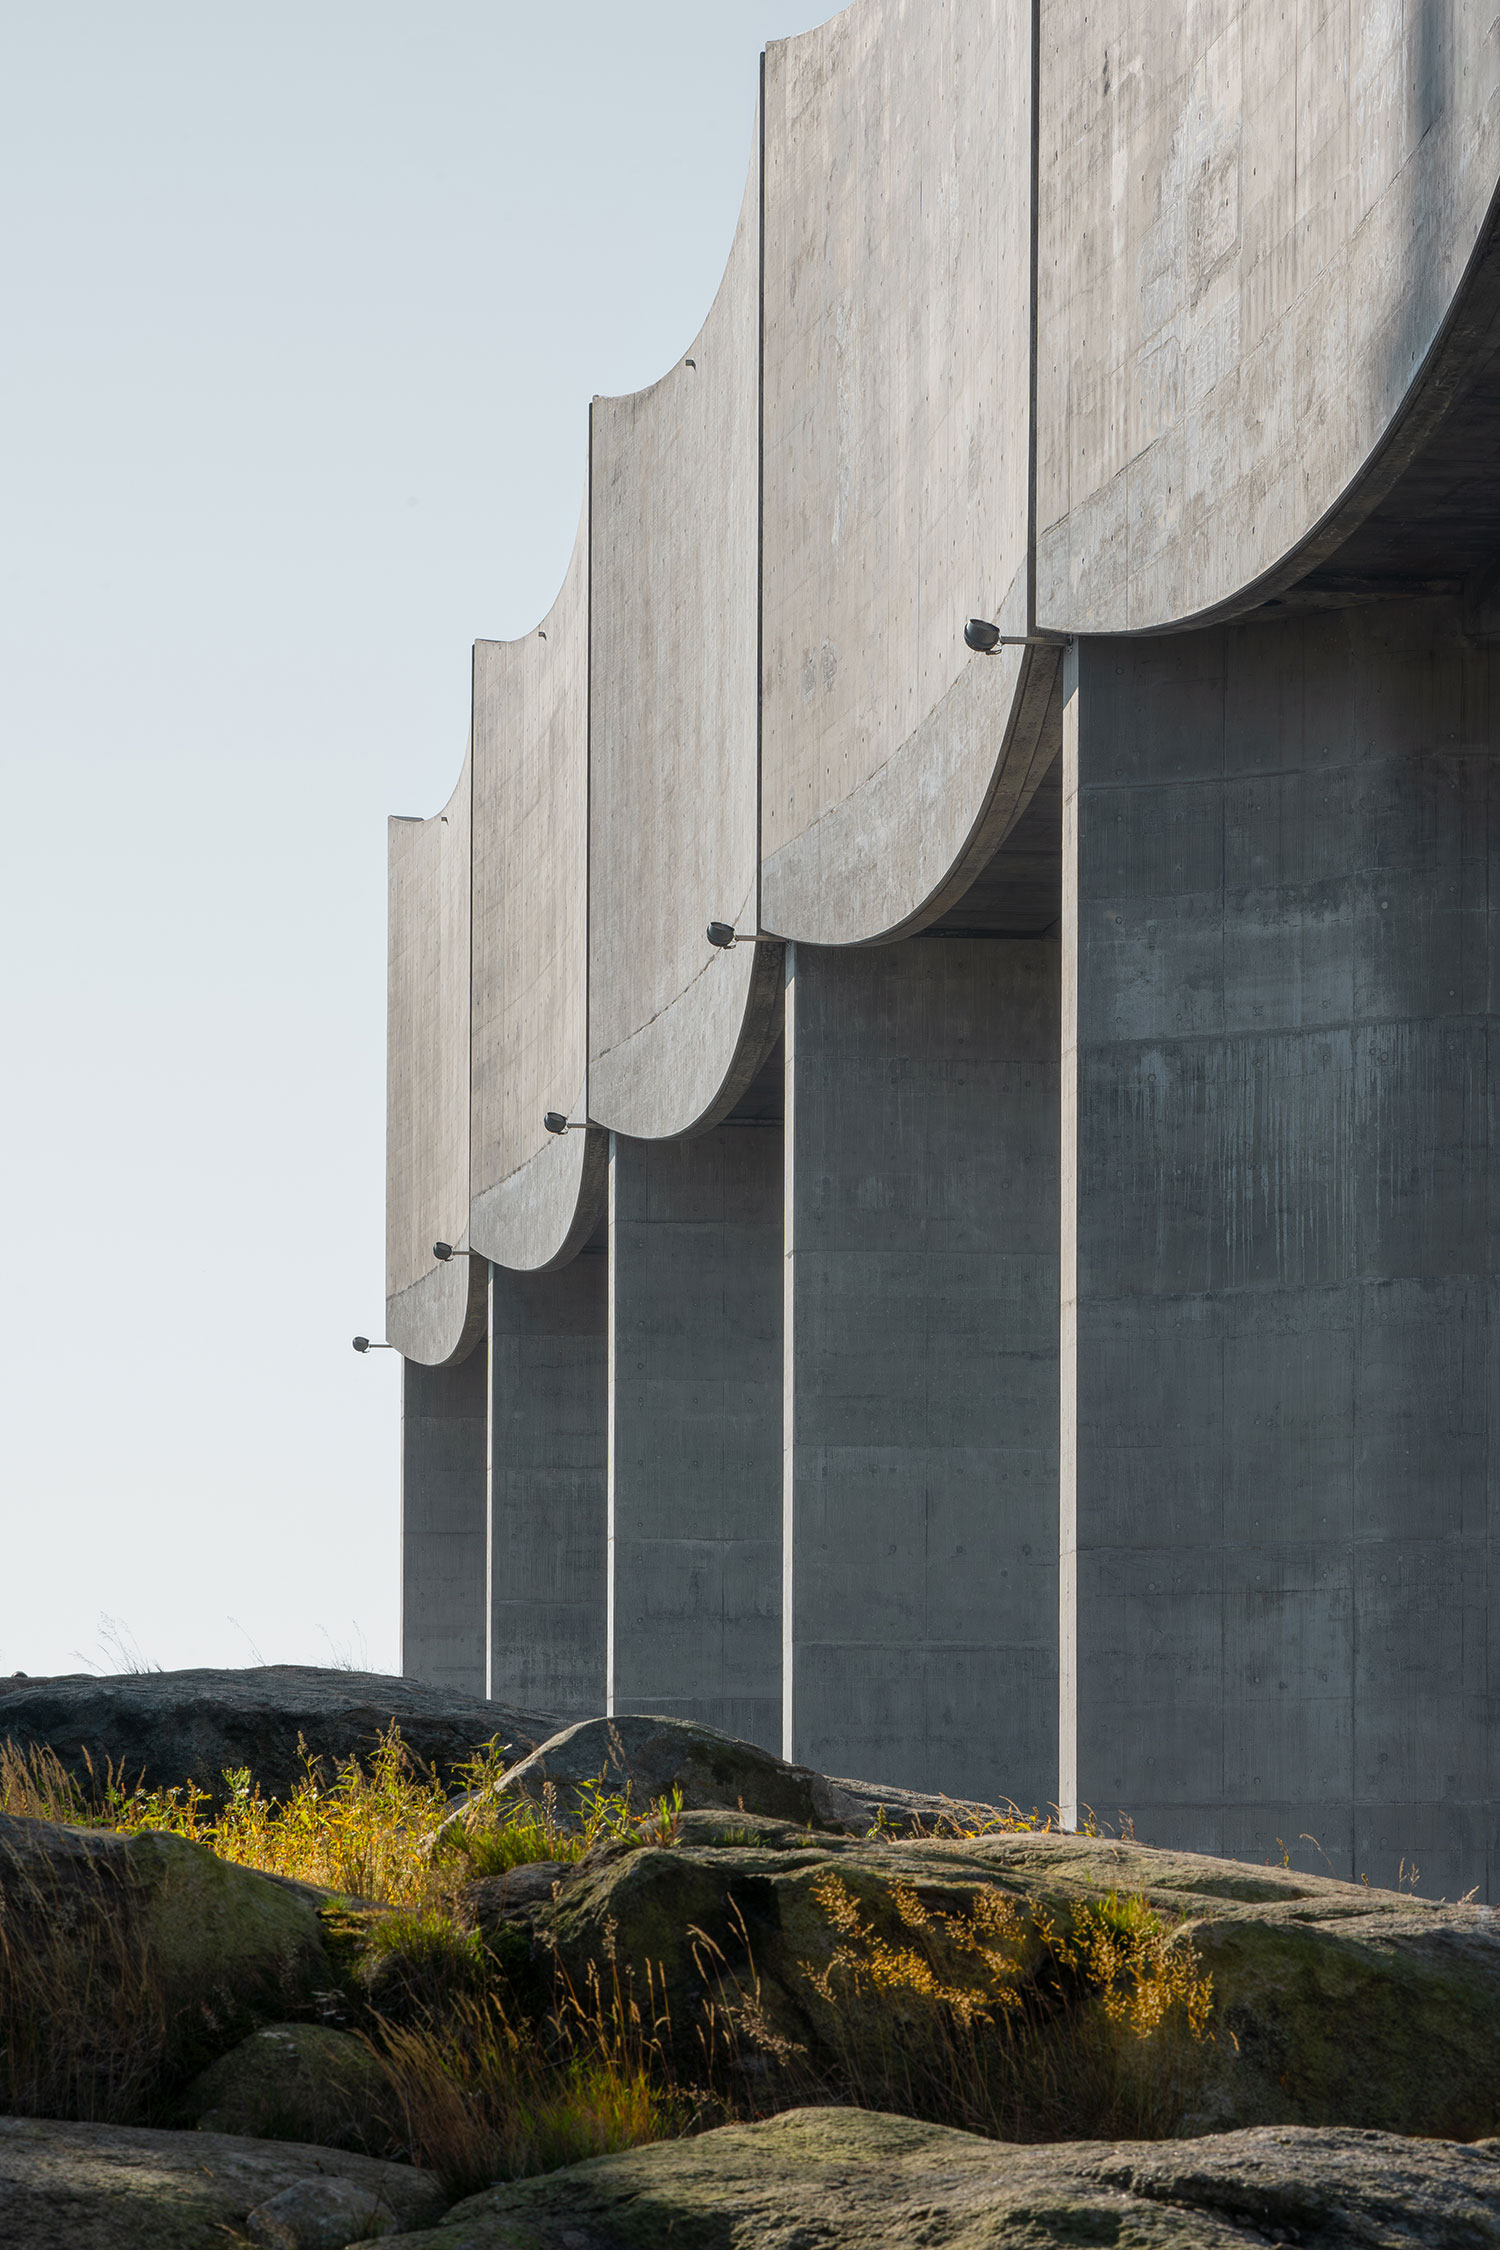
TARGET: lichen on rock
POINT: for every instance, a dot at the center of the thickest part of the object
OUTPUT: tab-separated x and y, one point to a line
855	2180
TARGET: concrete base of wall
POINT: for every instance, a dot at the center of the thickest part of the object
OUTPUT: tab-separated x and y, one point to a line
921	1323
443	1450
548	1399
695	1429
1284	844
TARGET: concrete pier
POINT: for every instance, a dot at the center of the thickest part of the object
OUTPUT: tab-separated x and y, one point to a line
695	1428
443	1454
546	1549
1283	846
920	1433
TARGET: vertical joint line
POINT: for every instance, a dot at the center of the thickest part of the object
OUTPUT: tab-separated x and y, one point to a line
401	1599
789	1368
1067	1452
610	1447
489	1483
489	1347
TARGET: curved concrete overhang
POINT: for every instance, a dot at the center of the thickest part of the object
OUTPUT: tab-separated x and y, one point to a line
1256	227
434	1311
1145	354
898	288
534	1197
677	1028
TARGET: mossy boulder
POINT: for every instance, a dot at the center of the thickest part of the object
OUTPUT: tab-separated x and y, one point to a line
855	2180
144	1943
296	2082
1332	2004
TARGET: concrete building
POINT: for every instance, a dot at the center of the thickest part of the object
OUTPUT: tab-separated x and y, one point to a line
1028	1324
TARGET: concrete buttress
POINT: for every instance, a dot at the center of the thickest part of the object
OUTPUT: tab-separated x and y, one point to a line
442	1523
547	1402
1283	908
921	1321
695	1428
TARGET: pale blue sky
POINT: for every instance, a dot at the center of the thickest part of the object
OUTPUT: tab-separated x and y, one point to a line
300	310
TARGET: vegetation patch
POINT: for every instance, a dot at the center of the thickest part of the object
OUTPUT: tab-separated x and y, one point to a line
1008	2017
537	1988
483	2096
381	1829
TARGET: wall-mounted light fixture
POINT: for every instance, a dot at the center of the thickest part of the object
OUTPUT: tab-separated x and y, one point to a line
555	1122
725	935
363	1344
443	1251
984	638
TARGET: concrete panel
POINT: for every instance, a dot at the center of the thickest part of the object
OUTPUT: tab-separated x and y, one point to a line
1254	222
434	1311
695	1233
676	1028
920	1433
535	1197
1283	1163
443	1435
897	462
546	1547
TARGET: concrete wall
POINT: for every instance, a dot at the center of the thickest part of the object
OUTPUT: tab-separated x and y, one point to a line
897	456
547	1404
1212	321
535	1198
921	1324
1284	842
443	1448
676	1028
434	1311
1253	223
695	1376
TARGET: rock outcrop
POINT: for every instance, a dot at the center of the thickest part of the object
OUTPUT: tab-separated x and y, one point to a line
137	1954
856	2180
116	2187
169	1727
649	1758
1333	2003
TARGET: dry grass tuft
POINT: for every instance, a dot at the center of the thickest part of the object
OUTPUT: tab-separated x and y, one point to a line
83	2013
485	2098
1010	2019
377	1829
36	1785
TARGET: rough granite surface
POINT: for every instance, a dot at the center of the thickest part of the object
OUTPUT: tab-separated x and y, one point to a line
832	2179
170	1727
117	2187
